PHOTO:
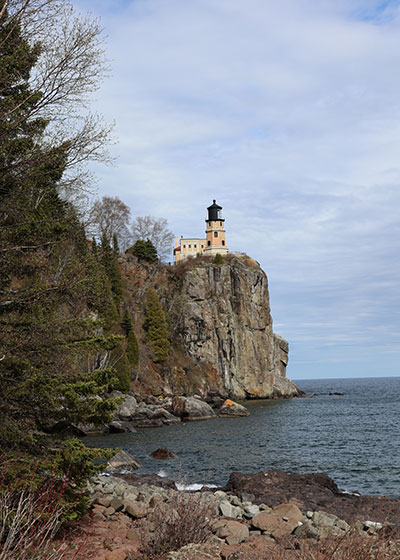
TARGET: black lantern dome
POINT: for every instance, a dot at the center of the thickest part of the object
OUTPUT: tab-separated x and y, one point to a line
214	212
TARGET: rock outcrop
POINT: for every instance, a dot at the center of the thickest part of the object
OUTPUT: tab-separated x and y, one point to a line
222	317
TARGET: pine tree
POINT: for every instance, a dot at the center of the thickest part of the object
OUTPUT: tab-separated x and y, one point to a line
113	271
144	251
126	322
121	367
115	244
132	349
156	327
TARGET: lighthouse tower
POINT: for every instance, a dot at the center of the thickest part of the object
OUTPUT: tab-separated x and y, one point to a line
215	231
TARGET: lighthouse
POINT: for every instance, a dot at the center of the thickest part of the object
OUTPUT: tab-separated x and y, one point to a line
215	231
214	243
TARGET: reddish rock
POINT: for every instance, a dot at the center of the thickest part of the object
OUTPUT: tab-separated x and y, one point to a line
261	548
162	453
274	524
233	532
289	511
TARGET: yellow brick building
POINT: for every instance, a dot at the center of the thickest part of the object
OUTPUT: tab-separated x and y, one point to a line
214	242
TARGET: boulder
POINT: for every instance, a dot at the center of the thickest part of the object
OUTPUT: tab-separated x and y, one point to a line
228	510
137	510
122	461
162	453
127	409
233	532
289	512
120	427
191	408
163	415
232	409
273	524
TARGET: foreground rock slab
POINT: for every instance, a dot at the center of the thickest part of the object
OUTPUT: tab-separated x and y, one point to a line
312	492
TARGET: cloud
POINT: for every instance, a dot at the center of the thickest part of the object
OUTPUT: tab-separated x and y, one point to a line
288	114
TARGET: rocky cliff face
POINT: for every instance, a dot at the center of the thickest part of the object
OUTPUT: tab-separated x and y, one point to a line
221	316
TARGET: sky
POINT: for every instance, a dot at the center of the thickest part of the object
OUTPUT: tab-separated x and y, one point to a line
288	114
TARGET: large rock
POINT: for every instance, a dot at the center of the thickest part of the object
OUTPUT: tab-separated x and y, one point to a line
137	510
191	408
222	318
281	521
233	532
123	461
232	409
120	427
127	409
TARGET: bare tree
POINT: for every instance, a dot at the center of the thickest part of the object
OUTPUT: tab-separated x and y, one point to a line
110	216
70	65
155	229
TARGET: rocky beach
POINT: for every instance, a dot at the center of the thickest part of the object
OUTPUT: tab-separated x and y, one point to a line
263	516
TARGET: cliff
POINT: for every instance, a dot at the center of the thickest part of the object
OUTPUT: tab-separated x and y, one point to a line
222	317
221	329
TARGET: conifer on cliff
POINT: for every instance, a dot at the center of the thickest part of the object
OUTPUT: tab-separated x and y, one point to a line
156	327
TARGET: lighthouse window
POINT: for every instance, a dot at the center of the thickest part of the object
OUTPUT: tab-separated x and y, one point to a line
184	246
202	246
208	243
215	233
220	223
195	246
223	242
190	246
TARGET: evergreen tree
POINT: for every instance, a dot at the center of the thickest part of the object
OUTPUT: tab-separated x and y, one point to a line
121	367
218	259
156	327
126	322
132	349
53	354
113	271
115	244
132	345
144	251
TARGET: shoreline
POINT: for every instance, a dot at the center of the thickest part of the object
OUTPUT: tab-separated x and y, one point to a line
253	517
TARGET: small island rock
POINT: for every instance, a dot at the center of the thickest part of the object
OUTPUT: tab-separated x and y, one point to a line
232	409
162	453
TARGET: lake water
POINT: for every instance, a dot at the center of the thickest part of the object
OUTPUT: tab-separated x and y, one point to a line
354	438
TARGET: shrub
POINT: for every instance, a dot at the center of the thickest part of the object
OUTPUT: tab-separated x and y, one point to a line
218	259
184	520
32	513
